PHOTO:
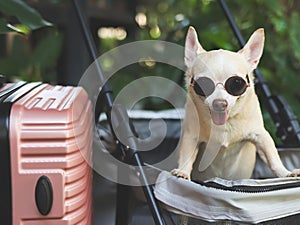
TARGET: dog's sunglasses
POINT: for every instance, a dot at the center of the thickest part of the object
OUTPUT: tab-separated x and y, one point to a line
234	85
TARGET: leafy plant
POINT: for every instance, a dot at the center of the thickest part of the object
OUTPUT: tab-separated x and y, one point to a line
33	64
28	18
26	60
280	63
168	20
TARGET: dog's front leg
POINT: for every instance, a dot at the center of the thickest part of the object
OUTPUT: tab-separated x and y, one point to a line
188	151
188	146
267	151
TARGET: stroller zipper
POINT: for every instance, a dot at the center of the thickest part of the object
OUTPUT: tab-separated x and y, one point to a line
249	189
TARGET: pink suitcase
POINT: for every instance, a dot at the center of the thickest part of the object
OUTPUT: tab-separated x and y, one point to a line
46	139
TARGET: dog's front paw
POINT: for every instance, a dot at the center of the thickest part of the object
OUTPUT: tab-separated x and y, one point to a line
295	173
181	174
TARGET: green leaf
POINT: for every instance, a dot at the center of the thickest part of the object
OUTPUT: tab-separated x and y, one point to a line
55	1
27	16
17	59
275	7
22	28
294	34
7	27
47	51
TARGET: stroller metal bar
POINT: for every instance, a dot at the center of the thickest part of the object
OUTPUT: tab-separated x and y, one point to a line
288	129
232	23
239	36
123	116
92	50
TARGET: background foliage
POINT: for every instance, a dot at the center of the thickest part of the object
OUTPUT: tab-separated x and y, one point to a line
168	20
27	58
280	19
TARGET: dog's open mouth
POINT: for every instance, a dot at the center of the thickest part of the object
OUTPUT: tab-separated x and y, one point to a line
219	117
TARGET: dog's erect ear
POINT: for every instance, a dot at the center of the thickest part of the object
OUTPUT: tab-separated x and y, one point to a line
252	51
192	47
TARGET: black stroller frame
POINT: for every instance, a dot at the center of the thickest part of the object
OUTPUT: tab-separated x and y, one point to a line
288	128
129	151
287	125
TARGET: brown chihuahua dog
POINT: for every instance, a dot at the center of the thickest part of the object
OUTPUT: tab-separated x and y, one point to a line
223	116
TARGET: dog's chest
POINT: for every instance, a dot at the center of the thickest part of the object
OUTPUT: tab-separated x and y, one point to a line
226	135
233	162
220	136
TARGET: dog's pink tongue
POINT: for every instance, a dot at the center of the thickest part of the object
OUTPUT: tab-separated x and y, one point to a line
219	117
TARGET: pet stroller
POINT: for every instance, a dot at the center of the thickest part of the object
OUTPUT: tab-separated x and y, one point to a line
215	201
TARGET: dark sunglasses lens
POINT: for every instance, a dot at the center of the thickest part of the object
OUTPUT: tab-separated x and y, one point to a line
204	86
235	86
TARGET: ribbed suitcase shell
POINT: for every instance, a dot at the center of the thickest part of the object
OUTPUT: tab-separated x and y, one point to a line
51	135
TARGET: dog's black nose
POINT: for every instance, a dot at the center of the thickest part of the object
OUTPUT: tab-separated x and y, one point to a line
219	104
